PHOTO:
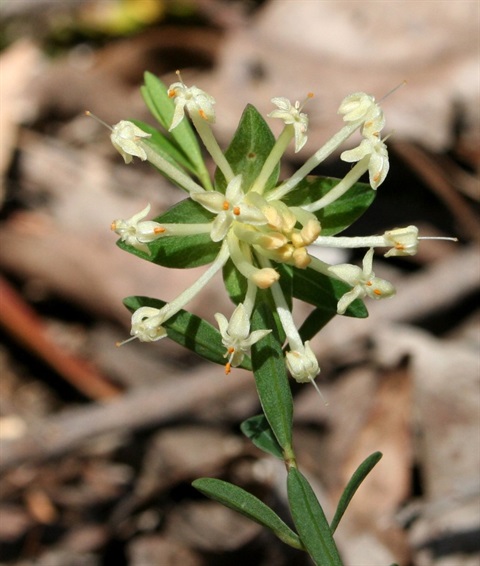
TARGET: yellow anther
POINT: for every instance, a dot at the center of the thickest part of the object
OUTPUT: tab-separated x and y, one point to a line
159	230
236	210
301	258
297	239
226	205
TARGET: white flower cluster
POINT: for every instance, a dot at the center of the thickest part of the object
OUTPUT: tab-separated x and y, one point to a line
258	230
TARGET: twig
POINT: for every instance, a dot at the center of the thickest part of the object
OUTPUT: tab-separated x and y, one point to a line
24	325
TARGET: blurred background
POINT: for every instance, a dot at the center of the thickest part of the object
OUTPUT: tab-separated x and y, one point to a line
98	444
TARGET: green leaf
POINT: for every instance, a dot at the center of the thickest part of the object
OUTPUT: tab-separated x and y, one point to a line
339	215
155	94
250	147
259	432
314	322
272	380
190	331
247	504
359	475
310	521
180	251
235	282
324	292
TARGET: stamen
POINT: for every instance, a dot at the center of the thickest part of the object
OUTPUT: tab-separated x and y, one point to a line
228	365
438	238
226	205
394	89
113	226
377	292
173	91
159	230
236	210
299	106
312	381
202	114
99	120
118	344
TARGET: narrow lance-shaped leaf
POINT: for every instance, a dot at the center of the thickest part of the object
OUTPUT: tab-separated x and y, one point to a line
260	433
359	475
310	521
314	322
247	504
250	147
272	380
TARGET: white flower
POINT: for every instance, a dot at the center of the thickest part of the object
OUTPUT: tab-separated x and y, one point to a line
362	280
358	106
302	364
292	115
378	165
404	241
147	324
137	233
125	137
229	207
236	336
196	100
374	125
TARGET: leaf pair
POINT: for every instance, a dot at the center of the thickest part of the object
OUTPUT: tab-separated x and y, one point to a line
315	535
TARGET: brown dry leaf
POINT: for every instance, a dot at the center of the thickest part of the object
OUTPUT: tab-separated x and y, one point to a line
446	405
387	429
